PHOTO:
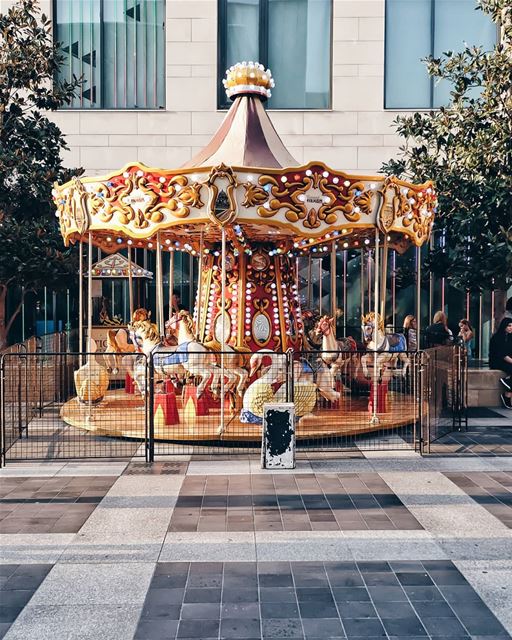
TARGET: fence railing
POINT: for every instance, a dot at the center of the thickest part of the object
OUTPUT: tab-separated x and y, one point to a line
64	404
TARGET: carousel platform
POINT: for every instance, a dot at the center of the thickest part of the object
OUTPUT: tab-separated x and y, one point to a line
124	416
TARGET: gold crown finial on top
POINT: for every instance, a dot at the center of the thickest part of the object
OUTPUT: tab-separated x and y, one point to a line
248	77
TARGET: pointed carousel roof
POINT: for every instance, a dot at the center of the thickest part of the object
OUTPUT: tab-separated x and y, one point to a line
244	180
246	138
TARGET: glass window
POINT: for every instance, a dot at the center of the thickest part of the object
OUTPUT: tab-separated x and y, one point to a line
292	37
416	29
117	48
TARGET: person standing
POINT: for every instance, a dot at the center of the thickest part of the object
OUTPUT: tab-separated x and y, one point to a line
411	332
500	357
466	336
438	332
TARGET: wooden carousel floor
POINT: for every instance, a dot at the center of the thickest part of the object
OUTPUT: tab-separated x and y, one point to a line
123	415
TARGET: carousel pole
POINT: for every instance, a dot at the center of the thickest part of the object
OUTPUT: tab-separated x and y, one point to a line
89	323
171	281
159	286
333	281
81	301
430	284
309	290
130	281
320	292
418	297
375	418
384	279
345	258
199	285
223	325
361	289
393	289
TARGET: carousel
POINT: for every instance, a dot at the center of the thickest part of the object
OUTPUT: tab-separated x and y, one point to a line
247	212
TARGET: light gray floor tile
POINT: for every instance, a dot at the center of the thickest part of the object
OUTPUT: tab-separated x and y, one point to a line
95	584
135	486
209	547
129	524
33	548
219	467
114	622
110	549
302	546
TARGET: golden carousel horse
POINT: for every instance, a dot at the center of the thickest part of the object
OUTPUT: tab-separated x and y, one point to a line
391	348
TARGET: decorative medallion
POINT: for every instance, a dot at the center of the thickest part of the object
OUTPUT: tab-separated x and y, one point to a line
221	198
217	331
260	261
261	328
79	210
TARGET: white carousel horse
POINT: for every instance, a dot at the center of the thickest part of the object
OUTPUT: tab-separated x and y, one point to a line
91	379
391	347
190	356
335	353
182	324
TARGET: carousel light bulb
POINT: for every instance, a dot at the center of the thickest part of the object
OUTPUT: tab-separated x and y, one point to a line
367	241
248	334
109	239
161	179
150	245
193	177
357	209
126	174
130	242
347	183
325	174
309	172
140	173
284	179
345	245
119	241
412	201
336	180
372	185
410	216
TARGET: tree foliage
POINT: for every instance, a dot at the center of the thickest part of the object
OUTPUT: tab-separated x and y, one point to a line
31	249
466	148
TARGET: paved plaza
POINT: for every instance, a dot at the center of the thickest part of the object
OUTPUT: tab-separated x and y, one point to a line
363	544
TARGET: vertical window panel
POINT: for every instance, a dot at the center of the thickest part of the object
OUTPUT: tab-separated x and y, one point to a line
117	48
416	29
292	37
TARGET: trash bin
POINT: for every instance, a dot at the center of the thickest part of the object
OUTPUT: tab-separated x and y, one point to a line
278	436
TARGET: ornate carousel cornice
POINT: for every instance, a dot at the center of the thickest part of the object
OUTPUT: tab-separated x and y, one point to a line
305	206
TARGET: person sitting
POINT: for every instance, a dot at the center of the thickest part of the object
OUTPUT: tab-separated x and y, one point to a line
500	357
411	332
466	336
438	332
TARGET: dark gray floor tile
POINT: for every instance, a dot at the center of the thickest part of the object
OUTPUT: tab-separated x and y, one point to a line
424	594
380	578
433	609
200	611
317	609
326	629
276	580
394	609
165	596
240	595
240	628
161	629
483	625
351	594
363	627
312	594
9	613
277	594
357	609
279	610
447	577
282	628
458	593
240	610
202	595
410	626
444	626
370	566
154	611
200	629
387	594
345	578
410	579
4	627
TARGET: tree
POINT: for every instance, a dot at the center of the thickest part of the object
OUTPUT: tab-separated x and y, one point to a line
466	148
32	254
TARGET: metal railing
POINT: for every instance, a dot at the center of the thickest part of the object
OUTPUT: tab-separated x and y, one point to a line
67	405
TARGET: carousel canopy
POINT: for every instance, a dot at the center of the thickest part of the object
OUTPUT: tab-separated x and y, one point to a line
246	182
118	266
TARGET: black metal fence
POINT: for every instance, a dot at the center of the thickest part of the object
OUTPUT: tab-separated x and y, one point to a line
66	405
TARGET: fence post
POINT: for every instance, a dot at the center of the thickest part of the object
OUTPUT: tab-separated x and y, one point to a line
150	445
420	386
2	411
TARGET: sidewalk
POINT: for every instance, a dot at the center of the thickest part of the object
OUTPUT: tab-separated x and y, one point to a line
362	545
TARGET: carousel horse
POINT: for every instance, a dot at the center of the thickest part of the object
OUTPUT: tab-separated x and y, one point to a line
335	353
189	356
183	324
91	379
391	347
116	353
